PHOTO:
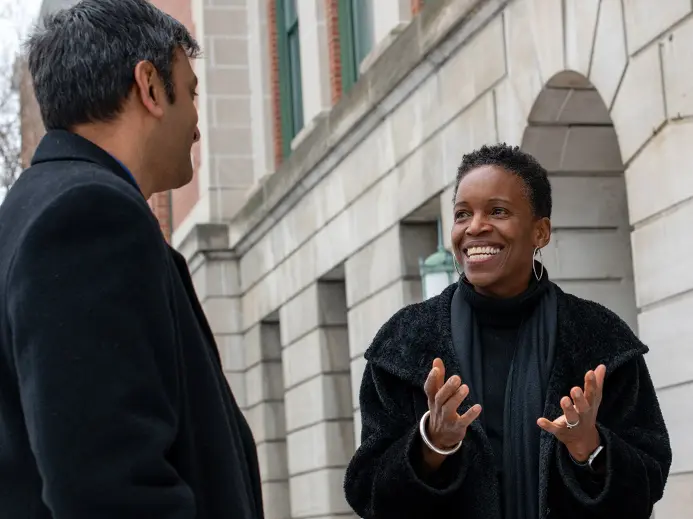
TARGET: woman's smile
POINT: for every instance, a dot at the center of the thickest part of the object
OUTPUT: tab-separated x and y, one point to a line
478	255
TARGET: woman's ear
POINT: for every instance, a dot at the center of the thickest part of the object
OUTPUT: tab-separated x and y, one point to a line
542	233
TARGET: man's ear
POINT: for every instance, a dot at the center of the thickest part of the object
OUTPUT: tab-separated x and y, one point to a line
149	88
542	232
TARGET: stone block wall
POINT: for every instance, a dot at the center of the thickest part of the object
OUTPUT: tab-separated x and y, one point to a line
395	148
320	435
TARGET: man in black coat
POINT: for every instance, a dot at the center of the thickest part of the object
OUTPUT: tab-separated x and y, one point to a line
113	403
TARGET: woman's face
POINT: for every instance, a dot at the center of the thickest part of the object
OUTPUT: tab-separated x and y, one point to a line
495	231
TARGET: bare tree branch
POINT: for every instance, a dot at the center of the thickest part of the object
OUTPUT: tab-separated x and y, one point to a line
10	120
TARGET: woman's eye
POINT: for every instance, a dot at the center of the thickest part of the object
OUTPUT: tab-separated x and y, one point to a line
461	214
499	211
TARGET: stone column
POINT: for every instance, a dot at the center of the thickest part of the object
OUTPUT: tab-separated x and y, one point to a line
251	360
214	271
227	168
319	426
259	69
382	278
265	412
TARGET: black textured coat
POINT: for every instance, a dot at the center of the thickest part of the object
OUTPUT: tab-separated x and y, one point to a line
113	403
383	482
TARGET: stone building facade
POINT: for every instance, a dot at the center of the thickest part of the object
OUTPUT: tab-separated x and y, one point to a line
332	131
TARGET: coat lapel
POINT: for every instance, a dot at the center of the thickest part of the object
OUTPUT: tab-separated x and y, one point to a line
409	352
579	348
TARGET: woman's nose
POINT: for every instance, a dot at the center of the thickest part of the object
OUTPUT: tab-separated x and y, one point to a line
476	225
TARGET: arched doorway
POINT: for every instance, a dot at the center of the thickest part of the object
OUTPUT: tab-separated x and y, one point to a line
571	133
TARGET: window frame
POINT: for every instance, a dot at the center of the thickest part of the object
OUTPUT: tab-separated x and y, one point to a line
289	58
355	38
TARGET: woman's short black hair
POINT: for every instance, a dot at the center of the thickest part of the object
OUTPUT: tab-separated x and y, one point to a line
517	162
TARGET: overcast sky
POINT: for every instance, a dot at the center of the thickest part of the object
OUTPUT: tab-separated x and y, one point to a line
26	11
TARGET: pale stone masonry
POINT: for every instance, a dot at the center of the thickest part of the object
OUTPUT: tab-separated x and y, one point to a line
265	409
233	123
319	425
298	268
361	191
382	278
356	201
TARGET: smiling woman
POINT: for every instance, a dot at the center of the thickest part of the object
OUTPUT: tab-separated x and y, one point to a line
501	219
505	396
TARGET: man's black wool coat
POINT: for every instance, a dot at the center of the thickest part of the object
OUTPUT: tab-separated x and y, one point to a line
113	403
382	481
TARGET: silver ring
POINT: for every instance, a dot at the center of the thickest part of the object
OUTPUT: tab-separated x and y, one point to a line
572	425
429	444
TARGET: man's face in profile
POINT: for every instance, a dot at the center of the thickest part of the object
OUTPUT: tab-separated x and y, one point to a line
178	128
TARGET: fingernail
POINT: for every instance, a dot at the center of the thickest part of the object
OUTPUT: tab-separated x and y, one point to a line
477	408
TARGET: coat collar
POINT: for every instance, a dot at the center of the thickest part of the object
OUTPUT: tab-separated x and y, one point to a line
61	145
588	334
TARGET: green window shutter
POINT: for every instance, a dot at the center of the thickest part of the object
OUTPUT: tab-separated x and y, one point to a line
346	44
363	29
355	37
289	54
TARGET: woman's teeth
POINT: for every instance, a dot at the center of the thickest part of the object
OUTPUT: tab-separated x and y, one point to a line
482	251
481	254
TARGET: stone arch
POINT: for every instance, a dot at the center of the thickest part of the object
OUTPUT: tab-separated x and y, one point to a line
544	38
571	133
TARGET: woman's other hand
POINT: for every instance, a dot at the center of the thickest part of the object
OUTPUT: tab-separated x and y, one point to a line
579	410
445	427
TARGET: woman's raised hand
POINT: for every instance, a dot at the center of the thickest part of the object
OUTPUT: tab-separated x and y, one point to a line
445	427
576	428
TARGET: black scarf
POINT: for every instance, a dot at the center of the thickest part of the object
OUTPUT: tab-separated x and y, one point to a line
525	391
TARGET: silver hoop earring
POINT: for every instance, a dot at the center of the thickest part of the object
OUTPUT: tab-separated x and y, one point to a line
534	264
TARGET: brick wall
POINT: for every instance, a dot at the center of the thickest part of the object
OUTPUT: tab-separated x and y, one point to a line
274	79
416	6
332	17
31	125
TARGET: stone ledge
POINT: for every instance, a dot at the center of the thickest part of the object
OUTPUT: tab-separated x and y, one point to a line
421	46
204	238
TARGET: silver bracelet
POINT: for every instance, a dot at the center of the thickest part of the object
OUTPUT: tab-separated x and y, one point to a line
424	437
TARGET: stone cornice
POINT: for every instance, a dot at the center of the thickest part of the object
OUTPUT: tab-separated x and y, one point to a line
431	37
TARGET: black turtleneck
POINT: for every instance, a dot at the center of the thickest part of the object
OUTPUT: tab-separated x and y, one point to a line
499	323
